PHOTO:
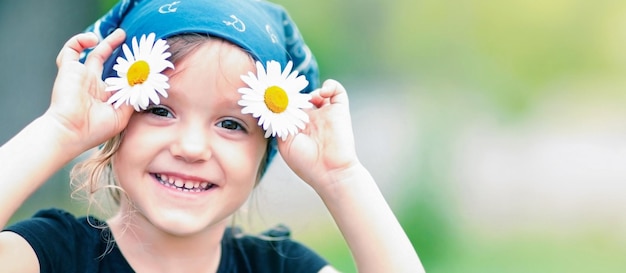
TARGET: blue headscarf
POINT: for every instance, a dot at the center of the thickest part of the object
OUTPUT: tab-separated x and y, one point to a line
263	29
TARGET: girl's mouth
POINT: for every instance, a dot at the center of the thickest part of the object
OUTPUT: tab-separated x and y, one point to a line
183	185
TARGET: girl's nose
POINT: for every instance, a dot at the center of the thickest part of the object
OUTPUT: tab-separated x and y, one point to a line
192	144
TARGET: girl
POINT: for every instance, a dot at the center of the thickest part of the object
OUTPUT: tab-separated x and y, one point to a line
192	109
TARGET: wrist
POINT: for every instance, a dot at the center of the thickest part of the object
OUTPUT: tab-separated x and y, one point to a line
335	185
62	142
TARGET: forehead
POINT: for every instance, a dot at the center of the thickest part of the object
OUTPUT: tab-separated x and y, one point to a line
209	63
182	47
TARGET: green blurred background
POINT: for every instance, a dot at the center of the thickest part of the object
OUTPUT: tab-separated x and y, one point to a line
496	129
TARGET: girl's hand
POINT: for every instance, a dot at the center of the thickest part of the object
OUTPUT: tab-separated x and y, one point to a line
78	103
324	150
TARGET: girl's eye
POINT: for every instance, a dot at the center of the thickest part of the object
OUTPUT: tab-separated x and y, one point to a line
230	125
159	111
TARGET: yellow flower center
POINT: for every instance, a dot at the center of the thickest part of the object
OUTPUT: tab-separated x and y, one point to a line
138	73
276	99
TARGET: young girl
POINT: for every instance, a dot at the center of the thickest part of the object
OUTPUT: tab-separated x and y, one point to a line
193	107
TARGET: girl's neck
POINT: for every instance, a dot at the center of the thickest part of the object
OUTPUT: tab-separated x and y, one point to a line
149	249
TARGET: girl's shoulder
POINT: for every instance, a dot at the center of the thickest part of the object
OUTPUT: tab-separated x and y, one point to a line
61	224
270	251
57	236
57	222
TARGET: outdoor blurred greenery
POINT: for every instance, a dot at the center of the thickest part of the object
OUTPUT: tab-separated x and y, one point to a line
496	128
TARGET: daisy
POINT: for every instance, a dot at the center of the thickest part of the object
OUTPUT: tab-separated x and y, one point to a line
139	74
275	99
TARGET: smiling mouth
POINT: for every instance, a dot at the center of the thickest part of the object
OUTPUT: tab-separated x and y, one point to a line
183	185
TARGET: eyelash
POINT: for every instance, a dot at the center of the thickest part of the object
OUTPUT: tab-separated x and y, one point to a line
231	123
159	111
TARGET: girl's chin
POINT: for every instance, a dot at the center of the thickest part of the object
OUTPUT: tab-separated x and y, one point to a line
183	223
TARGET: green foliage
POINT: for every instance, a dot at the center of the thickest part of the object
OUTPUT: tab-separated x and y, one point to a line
507	51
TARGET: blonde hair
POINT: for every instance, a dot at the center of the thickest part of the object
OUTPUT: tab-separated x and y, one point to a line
95	174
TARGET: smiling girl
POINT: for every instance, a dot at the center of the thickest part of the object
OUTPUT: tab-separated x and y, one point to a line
197	98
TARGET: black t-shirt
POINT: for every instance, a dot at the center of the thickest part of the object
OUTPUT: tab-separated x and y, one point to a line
64	243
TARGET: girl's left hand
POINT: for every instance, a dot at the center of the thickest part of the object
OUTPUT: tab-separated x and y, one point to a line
325	148
324	156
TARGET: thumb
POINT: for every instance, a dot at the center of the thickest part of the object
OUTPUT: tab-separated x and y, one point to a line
122	116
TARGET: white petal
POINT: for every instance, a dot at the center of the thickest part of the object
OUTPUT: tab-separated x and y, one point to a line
114	98
115	83
128	54
143	98
133	95
299	84
122	65
160	46
269	133
273	73
159	66
154	98
255	85
260	72
118	104
253	98
135	47
298	114
285	74
149	44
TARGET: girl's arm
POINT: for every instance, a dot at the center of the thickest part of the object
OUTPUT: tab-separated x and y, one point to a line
324	156
78	119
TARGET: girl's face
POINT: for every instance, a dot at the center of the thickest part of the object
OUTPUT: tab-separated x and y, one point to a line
190	162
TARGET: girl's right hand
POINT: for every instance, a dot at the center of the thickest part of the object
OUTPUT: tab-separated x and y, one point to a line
78	105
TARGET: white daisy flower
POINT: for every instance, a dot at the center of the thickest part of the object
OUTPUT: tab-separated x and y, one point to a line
139	74
275	99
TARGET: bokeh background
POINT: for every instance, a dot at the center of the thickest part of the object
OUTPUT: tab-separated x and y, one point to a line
496	129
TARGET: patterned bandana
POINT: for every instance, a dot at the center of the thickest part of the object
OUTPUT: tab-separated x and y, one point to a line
261	28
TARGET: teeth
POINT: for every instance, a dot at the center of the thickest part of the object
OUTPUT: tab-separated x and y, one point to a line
181	185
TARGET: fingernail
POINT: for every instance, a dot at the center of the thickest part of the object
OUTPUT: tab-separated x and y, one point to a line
328	86
93	35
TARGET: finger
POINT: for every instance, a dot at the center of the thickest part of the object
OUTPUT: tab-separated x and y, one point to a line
103	51
316	99
331	92
334	91
76	45
103	96
124	113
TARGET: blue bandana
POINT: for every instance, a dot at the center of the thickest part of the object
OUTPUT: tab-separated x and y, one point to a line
261	28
